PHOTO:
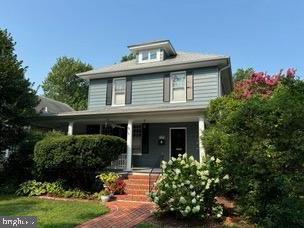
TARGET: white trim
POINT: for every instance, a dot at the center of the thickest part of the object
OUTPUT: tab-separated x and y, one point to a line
113	91
70	128
171	87
186	146
201	128
129	145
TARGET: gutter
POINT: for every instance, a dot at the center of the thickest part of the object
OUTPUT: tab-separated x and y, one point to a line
220	73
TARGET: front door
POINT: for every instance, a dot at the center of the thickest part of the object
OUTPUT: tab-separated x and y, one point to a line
178	141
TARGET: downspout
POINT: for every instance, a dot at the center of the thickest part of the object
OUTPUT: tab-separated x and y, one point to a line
219	77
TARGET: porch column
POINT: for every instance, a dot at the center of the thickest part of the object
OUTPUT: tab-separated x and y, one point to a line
70	128
129	145
201	128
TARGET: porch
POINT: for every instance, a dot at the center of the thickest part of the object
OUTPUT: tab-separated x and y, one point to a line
150	137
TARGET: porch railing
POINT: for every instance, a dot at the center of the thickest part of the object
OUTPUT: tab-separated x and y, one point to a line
120	163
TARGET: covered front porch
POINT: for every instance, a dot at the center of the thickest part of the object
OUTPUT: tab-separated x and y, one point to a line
150	137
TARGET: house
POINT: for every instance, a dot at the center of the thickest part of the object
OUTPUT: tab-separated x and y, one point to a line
156	102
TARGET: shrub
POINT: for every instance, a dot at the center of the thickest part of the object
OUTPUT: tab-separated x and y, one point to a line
19	165
260	141
31	188
113	182
76	159
188	188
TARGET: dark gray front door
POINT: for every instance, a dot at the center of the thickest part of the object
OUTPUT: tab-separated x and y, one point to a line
178	141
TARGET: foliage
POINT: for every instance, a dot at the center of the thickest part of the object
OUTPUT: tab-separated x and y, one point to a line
260	141
242	74
76	159
17	98
188	187
63	85
19	165
128	57
113	182
35	188
51	213
260	84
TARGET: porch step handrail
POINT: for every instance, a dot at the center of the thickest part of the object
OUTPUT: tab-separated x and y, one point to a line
157	163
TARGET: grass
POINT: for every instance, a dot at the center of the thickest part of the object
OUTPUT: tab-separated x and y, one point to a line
51	213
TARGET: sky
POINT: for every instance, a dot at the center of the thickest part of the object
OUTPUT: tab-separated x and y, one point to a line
267	35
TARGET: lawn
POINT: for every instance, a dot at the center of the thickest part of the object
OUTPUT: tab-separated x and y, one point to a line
51	213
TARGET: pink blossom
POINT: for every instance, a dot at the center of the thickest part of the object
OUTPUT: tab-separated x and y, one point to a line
291	73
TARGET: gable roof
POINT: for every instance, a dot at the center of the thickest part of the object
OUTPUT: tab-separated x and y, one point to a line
53	106
182	60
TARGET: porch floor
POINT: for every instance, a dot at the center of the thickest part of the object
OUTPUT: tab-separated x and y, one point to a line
141	171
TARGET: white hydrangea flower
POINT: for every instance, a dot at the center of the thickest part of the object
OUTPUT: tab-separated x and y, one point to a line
217	180
171	200
193	201
186	166
184	213
182	184
167	185
184	155
218	161
206	172
218	215
172	209
182	162
212	158
193	193
226	177
191	186
196	209
188	182
173	159
188	209
182	200
156	199
177	171
174	186
170	162
191	158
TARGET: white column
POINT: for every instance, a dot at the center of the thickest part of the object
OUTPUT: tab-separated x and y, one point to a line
70	128
129	145
201	128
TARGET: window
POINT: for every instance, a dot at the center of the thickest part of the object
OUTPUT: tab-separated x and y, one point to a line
153	54
137	139
178	87
149	56
145	55
119	91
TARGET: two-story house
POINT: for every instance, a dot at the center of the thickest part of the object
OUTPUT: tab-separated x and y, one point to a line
156	102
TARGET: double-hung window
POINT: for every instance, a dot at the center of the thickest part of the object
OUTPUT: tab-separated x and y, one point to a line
178	86
119	91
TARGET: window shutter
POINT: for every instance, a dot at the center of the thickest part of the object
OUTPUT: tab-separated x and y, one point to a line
145	138
189	82
109	92
166	95
129	91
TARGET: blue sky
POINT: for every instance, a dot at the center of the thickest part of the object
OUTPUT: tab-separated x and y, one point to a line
264	34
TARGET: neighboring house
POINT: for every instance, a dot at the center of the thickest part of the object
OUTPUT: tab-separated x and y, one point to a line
49	106
156	102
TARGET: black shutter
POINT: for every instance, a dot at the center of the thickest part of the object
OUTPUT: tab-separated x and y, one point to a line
189	85
145	138
129	91
109	92
166	95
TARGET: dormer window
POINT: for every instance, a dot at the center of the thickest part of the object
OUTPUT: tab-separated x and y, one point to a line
149	56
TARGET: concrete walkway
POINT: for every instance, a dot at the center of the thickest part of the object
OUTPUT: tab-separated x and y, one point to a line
123	214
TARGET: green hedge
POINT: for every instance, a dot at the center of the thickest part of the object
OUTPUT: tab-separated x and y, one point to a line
76	159
261	144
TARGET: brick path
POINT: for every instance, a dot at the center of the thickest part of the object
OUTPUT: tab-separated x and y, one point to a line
123	214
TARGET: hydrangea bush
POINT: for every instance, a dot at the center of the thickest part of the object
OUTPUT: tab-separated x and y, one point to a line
188	187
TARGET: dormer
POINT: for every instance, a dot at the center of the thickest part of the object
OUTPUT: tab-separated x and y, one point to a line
153	51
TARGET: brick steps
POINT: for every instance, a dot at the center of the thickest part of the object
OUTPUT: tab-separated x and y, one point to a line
137	187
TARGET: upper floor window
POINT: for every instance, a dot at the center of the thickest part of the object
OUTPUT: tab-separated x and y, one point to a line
149	56
119	91
178	86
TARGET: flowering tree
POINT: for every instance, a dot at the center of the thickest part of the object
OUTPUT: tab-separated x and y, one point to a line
188	187
261	83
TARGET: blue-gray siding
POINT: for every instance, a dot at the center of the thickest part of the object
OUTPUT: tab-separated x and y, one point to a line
156	151
148	89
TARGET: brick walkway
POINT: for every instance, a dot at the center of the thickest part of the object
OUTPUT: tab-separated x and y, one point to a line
122	215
